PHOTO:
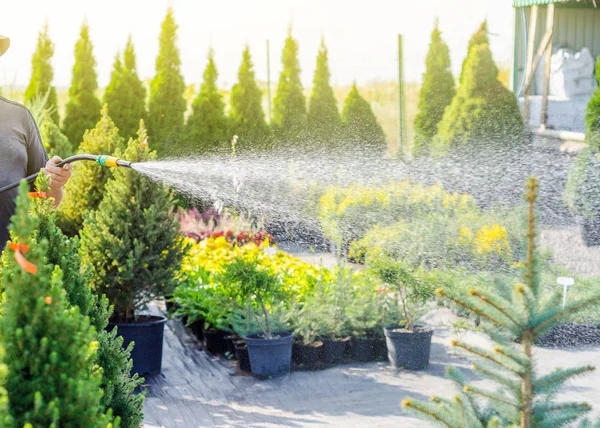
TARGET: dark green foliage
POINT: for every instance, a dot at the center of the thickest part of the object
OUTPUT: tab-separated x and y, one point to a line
42	74
478	38
85	190
126	93
483	112
83	106
167	104
289	105
247	116
513	315
360	124
50	349
132	241
324	120
55	142
207	128
592	116
436	92
117	383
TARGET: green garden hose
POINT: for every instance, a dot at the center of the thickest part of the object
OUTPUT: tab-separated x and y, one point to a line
102	160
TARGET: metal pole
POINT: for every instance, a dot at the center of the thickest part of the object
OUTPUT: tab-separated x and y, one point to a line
547	69
269	80
401	99
529	68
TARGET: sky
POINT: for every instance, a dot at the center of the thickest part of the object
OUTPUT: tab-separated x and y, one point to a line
361	35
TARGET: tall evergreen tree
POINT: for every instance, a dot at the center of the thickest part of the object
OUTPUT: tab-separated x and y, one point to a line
246	113
55	142
483	113
361	128
592	116
42	74
83	105
167	104
436	93
85	190
514	316
117	383
289	105
126	93
480	37
207	128
324	119
50	351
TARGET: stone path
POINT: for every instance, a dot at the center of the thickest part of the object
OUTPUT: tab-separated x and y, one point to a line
200	390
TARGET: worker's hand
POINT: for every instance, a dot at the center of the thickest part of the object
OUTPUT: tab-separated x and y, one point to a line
58	175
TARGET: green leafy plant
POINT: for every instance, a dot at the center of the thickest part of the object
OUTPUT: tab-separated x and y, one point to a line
334	296
510	313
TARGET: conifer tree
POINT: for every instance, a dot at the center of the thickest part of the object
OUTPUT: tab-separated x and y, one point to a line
324	120
167	104
131	242
126	93
117	383
50	350
246	113
289	105
511	313
85	189
360	124
5	418
436	93
207	128
83	105
480	37
592	116
483	112
42	74
55	142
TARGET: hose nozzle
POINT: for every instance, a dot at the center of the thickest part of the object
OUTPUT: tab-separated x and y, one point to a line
112	161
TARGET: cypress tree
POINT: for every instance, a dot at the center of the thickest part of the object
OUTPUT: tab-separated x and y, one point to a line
83	105
131	242
360	124
483	112
55	142
478	38
117	383
289	105
592	116
324	119
50	349
167	104
207	127
85	190
513	316
246	113
126	94
42	74
436	92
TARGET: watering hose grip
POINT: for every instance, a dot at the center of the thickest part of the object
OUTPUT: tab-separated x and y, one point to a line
107	161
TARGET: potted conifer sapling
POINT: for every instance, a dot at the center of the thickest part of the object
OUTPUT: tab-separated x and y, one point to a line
270	351
408	343
133	247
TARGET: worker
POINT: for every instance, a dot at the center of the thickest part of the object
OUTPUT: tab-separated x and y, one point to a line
22	154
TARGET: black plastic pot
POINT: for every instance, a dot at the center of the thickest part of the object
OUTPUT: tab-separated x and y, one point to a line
148	343
229	345
197	329
362	349
270	358
334	351
590	232
214	341
241	354
309	356
409	350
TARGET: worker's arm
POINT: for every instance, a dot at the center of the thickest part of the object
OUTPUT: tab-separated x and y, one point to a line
58	178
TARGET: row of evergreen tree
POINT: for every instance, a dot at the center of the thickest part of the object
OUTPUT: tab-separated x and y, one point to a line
481	111
209	126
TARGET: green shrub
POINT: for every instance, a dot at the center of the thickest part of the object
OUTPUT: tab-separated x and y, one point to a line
55	142
132	241
83	105
483	112
436	92
361	128
592	116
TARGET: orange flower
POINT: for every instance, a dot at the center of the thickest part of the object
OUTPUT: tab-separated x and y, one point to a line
48	300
